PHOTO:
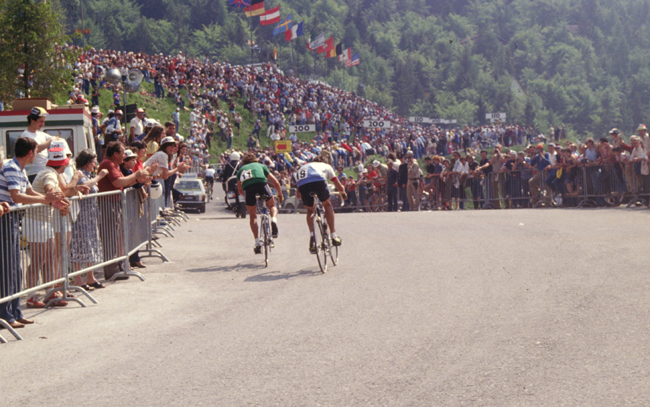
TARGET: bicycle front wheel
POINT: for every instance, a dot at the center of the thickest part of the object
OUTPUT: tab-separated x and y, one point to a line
334	251
321	243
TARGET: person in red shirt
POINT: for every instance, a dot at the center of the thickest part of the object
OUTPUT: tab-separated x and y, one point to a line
110	227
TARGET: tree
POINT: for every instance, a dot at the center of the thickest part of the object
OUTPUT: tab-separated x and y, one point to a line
31	62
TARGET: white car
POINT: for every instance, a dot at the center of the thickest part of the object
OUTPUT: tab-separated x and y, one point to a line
194	195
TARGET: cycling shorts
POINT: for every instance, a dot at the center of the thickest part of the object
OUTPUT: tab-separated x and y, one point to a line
318	187
209	179
260	188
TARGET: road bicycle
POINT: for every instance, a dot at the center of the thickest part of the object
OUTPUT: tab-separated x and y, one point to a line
324	247
264	223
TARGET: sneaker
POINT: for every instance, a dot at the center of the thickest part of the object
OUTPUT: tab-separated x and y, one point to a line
312	245
274	230
34	302
336	241
257	249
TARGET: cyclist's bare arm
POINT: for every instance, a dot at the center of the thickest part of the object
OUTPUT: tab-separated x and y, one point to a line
277	186
239	190
340	188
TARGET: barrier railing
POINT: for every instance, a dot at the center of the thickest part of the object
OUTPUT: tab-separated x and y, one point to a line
581	186
41	249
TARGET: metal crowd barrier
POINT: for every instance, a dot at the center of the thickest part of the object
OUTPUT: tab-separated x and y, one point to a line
42	250
582	186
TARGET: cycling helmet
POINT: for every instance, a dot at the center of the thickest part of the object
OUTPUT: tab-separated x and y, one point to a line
155	190
234	156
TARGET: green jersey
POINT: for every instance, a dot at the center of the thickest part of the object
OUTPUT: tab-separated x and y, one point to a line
252	173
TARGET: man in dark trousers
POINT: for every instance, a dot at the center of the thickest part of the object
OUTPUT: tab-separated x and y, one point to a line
403	179
391	186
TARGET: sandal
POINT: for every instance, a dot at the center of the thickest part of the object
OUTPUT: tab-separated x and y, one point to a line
86	287
97	285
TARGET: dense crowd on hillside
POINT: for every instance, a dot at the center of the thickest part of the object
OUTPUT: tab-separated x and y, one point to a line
211	89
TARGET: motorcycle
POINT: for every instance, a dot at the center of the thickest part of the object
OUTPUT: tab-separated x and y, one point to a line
239	210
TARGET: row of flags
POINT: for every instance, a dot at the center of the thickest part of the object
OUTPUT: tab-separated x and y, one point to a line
291	30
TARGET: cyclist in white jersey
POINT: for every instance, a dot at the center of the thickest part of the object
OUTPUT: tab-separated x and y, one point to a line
209	178
312	178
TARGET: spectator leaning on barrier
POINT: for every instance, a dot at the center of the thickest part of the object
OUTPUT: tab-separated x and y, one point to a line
110	208
85	246
15	189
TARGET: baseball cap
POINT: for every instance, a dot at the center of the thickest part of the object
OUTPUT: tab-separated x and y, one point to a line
38	112
140	110
614	131
128	154
551	144
95	109
56	157
119	112
375	163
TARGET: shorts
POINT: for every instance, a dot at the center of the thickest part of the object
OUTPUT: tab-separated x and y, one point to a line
209	179
318	187
260	188
37	231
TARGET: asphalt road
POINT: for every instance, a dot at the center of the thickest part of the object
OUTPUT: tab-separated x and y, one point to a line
486	308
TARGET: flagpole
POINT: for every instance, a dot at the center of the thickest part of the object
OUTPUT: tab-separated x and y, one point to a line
291	51
251	42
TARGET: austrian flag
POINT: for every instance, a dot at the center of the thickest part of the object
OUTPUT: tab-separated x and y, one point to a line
271	16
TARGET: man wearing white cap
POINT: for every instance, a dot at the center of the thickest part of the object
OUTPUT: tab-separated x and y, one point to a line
35	122
136	127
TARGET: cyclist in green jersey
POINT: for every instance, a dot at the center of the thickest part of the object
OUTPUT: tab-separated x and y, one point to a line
252	179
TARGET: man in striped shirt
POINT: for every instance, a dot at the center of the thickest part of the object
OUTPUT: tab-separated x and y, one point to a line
15	190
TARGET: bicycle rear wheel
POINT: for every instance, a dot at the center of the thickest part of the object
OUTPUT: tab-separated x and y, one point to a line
321	243
266	237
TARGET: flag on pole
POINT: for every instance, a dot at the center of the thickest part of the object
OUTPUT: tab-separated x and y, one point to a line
346	55
240	3
284	26
271	16
335	51
313	45
294	32
354	61
255	9
326	46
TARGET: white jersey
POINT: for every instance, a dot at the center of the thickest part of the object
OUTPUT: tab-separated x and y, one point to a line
314	172
210	172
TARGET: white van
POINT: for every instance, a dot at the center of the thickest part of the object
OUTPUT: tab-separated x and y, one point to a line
72	123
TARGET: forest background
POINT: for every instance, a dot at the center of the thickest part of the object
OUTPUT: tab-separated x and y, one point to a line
581	63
